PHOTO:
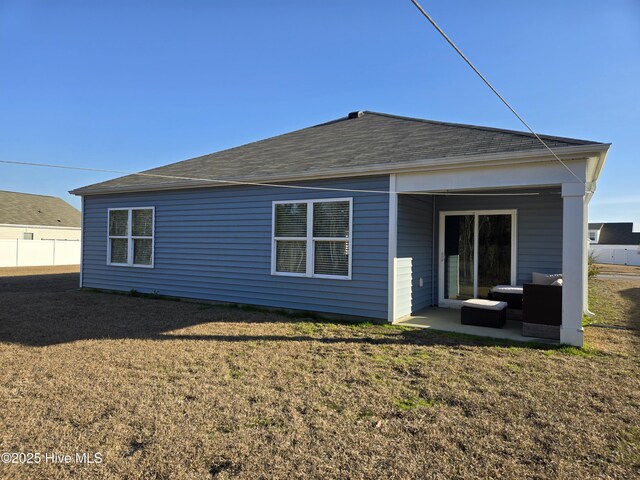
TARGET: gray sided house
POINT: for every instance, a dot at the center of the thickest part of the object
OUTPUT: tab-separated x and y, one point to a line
372	215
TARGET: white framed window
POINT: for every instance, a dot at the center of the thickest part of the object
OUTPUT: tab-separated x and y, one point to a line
312	238
130	233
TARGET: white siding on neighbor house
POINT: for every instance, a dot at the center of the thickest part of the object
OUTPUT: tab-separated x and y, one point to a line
415	254
15	232
215	244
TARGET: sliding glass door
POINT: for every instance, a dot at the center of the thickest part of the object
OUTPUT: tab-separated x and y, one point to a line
477	252
459	255
494	252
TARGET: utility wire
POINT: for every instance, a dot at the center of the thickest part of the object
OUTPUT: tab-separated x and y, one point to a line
235	182
464	57
304	187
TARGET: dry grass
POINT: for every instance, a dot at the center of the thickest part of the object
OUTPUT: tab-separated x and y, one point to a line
624	269
24	271
168	389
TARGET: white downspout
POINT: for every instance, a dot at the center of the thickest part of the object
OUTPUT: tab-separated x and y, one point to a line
585	293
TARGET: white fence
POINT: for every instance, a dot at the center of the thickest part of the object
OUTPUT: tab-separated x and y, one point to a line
616	254
31	253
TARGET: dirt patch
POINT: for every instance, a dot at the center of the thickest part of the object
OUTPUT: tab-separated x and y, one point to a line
166	389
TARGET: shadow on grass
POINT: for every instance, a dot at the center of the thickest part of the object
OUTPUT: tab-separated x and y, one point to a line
38	313
615	308
54	282
632	295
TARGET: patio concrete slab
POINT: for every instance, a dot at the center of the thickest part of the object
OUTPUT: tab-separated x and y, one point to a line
448	320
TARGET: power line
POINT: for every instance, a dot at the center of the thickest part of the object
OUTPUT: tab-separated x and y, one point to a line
464	57
236	182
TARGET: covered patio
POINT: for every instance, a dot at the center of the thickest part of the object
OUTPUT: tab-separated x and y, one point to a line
456	234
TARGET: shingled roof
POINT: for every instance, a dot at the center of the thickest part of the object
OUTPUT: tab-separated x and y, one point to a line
356	143
28	209
616	233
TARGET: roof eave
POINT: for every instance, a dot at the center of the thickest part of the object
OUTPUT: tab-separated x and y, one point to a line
566	153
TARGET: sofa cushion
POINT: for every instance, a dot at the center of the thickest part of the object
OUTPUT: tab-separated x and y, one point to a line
517	289
484	304
544	278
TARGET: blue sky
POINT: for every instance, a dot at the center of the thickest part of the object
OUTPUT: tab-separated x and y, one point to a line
132	85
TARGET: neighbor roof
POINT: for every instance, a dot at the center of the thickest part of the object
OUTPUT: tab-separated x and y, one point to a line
28	209
618	234
355	143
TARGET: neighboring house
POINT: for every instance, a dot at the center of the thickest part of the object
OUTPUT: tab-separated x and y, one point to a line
594	232
613	234
26	216
398	214
38	230
614	243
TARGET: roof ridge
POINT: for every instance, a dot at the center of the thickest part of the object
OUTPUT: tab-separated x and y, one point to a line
577	141
365	112
353	141
32	194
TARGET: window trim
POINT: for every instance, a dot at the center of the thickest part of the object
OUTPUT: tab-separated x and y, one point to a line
311	240
130	237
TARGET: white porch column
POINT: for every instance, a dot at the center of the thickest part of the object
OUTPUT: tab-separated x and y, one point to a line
574	266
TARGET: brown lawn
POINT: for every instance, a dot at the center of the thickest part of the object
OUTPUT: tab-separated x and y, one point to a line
623	269
166	389
25	271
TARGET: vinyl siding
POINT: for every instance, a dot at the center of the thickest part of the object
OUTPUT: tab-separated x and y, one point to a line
539	233
415	254
215	244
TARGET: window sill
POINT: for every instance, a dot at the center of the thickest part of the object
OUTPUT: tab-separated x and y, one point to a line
132	265
304	275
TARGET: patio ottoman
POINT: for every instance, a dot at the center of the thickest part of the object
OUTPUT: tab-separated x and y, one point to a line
512	294
483	313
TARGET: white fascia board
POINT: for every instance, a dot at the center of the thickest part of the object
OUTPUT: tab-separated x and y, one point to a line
594	168
596	164
503	176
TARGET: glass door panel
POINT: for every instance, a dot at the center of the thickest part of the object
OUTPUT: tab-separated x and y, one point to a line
494	252
459	257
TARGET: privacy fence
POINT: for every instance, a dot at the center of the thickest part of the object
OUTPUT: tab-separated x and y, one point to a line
31	253
616	254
